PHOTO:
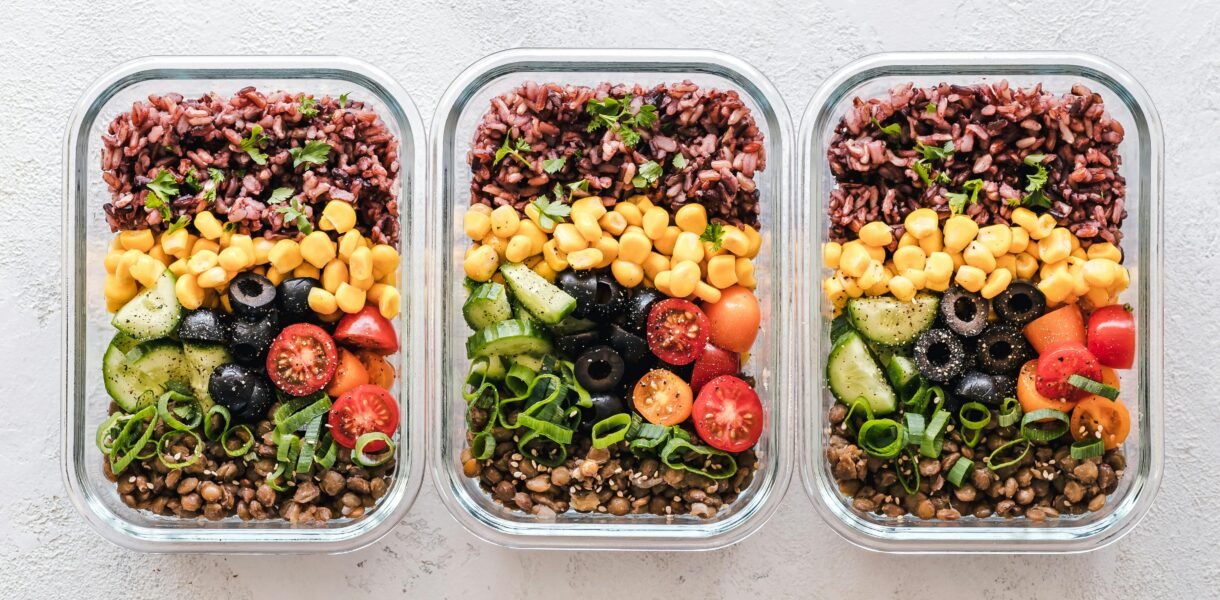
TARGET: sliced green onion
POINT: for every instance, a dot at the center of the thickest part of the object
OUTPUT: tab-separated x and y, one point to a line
934	436
109	431
673	455
482	445
518	378
995	454
903	374
542	450
171	435
979	422
1010	412
936	397
287	447
859	404
308	445
1096	388
648	438
1088	448
961	468
273	478
301	417
918	402
552	431
327	457
124	450
611	430
1035	433
910	485
881	438
246	446
208	431
915	425
364	460
169	414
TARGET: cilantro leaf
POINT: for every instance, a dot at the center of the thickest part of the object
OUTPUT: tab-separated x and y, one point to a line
930	108
935	152
308	107
892	130
279	195
714	233
921	168
314	152
614	114
293	211
679	161
645	118
192	180
253	145
1035	182
958	200
513	150
629	136
550	212
343	99
215	178
974	186
603	113
161	190
554	165
647	174
943	178
182	221
582	185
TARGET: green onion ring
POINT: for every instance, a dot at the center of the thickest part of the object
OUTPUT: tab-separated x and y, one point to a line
934	436
1010	412
881	438
552	431
482	445
910	486
1088	448
194	457
967	422
170	415
672	453
990	460
915	424
327	459
1033	433
131	451
287	447
244	448
364	460
936	397
1096	388
918	402
857	404
273	478
308	445
302	417
971	437
538	453
961	468
518	378
208	431
109	430
611	430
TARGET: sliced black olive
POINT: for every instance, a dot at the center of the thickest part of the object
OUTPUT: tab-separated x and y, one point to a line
638	306
604	406
632	347
609	297
575	344
1002	349
250	340
939	355
581	285
246	392
292	296
202	325
599	369
1005	385
251	295
1020	303
965	313
977	387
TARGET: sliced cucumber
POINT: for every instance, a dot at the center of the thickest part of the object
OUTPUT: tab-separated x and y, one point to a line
202	360
129	388
853	373
540	297
519	312
508	338
162	361
532	363
496	368
889	321
902	373
153	313
571	324
487	304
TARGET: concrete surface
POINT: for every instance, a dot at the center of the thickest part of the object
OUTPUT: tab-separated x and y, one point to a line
50	50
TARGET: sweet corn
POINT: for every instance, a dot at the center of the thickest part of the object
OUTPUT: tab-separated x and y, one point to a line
1105	250
533	214
536	236
322	301
119	289
691	218
243	242
937	286
112	260
722	271
588	228
1097	297
334	273
179	267
655	263
630	212
831	253
959	232
613	223
499	244
917	277
212	278
755	240
188	292
589	206
1122	279
1079	252
137	239
662	282
939	267
476	223
207	225
504	221
390	278
688	247
568	238
545	271
641	201
233	259
854	259
745	273
481	264
385	260
1043	228
656	220
933	243
1025	217
628	274
683	278
348	243
274	275
665	245
262	250
197	263
285	256
1057	287
908	240
902	288
634	247
201	245
872	275
833	289
349	298
876	233
735	241
609	249
480	208
176	243
518	249
978	255
997	282
1055	247
1008	261
970	278
307	270
996	238
706	292
389	304
849	285
1049	269
909	257
1100	272
1026	266
337	216
317	249
583	260
360	266
922	222
1019	239
1080	286
555	258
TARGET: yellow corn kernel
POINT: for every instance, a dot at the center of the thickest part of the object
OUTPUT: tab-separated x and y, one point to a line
200	261
609	249
683	278
831	253
137	239
655	263
322	301
119	289
334	273
939	267
735	241
349	298
385	260
978	255
262	250
933	243
390	278
854	259
1043	228
634	247
176	243
363	283
909	257
722	271
307	270
518	249
545	271
202	245
882	286
872	275
504	221
496	243
833	289
1079	253
641	201
337	216
706	292
662	282
937	286
232	259
285	256
1026	218
917	277
876	233
1057	287
627	273
112	260
691	218
156	253
997	282
958	259
922	222
243	242
481	208
850	287
1032	248
665	245
568	238
389	303
745	273
1055	247
360	266
901	288
588	228
1097	297
317	249
533	214
536	236
146	270
212	278
613	223
1008	261
555	258
589	206
959	232
1026	266
1080	286
179	267
209	227
188	292
630	212
996	238
656	220
1122	279
908	240
1100	272
348	243
1019	239
1105	250
274	275
688	247
482	263
970	278
583	260
476	223
1049	269
755	240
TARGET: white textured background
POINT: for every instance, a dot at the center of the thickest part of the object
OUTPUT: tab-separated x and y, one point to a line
50	50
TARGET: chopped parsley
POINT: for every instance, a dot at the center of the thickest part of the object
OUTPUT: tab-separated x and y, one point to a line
161	190
182	221
930	108
679	161
192	180
343	99
1036	181
923	166
215	178
892	130
514	151
554	165
293	211
647	174
313	152
308	107
279	195
614	114
714	233
935	152
253	145
957	201
551	212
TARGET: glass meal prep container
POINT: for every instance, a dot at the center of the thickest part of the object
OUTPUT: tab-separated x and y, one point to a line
87	324
460	110
1142	157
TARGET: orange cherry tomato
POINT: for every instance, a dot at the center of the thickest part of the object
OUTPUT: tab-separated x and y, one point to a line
1095	415
1031	399
349	374
734	318
662	397
1056	328
381	373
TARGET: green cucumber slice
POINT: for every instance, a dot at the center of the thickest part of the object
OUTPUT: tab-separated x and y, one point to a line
509	338
852	372
153	313
891	322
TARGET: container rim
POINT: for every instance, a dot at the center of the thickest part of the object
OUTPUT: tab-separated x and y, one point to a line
979	539
490	528
399	107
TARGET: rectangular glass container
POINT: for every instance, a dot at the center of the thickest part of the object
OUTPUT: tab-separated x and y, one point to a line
458	112
1142	158
87	329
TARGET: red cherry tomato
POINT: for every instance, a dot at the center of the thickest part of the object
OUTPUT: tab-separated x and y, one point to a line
677	331
1112	336
712	364
302	359
1058	365
728	414
368	330
735	318
364	409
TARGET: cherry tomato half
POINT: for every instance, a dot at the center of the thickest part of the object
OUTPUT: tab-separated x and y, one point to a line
712	364
1096	414
735	318
1056	328
349	374
364	409
677	331
728	414
1112	336
1058	365
379	370
662	397
302	359
368	330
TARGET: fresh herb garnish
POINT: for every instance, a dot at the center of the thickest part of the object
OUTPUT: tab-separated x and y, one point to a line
229	227
514	151
192	180
930	108
647	174
215	178
551	212
679	161
582	185
308	107
182	221
614	115
253	145
892	130
162	189
1036	181
293	211
314	152
554	165
278	195
935	152
714	233
921	168
957	201
343	99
